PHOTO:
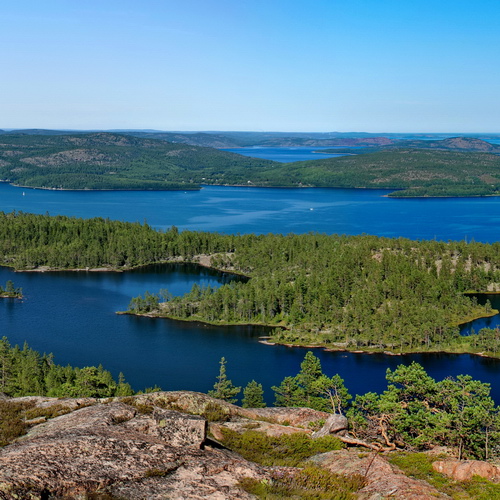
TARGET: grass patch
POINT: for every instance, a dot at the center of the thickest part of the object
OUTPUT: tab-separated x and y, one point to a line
419	466
12	420
47	412
287	450
155	473
309	483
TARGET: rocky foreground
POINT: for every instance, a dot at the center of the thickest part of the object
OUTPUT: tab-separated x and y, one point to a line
160	445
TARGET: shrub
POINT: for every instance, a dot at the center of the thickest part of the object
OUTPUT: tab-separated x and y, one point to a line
288	449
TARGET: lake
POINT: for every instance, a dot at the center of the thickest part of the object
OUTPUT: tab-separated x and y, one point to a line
73	314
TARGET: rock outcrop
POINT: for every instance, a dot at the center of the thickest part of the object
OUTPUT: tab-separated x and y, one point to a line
383	480
464	470
157	446
112	448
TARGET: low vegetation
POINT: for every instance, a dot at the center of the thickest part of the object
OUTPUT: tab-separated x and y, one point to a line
419	466
311	483
287	450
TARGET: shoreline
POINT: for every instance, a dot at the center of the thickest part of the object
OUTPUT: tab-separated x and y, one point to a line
381	351
267	340
201	186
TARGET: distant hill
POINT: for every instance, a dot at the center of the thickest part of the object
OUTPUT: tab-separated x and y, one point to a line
358	141
114	161
460	144
413	172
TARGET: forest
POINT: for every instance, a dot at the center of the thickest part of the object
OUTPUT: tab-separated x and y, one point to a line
117	162
342	292
26	372
108	161
415	412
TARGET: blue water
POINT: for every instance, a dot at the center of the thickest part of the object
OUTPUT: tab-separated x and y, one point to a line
268	210
284	155
73	314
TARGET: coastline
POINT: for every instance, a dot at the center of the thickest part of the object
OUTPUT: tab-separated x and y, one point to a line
268	340
252	184
357	350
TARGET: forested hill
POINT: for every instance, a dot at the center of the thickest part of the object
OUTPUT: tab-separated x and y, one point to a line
114	161
413	172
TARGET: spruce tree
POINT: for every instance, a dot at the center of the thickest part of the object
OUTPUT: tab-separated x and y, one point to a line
223	387
253	396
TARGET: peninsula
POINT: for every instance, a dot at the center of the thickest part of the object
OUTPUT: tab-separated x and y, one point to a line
352	292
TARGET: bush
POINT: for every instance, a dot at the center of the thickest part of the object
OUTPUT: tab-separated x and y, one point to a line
309	483
288	449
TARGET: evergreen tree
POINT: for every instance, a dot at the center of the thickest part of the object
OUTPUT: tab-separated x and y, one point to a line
223	387
253	396
312	389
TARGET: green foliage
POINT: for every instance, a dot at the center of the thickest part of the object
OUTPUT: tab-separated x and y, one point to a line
311	482
140	305
287	450
10	290
223	387
312	389
419	412
419	466
25	372
253	396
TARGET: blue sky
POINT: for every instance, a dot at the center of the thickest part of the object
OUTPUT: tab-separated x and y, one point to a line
264	65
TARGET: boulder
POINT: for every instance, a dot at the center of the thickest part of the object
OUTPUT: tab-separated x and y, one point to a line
464	470
334	424
296	417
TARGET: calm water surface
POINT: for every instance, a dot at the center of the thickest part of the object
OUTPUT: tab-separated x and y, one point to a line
73	314
264	210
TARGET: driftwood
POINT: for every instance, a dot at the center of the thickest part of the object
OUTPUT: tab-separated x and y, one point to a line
359	442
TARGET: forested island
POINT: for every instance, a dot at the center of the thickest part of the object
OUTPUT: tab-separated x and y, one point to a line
10	291
342	292
117	161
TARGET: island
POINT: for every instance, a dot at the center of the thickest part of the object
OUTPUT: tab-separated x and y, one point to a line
10	291
342	292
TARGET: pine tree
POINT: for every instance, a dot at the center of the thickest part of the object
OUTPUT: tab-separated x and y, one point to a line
253	396
223	387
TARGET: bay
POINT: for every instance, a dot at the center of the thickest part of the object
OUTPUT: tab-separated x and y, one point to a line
284	155
73	314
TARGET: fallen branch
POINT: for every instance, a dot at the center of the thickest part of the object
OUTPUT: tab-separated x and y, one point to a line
359	442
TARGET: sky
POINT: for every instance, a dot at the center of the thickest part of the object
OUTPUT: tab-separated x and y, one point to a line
260	65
